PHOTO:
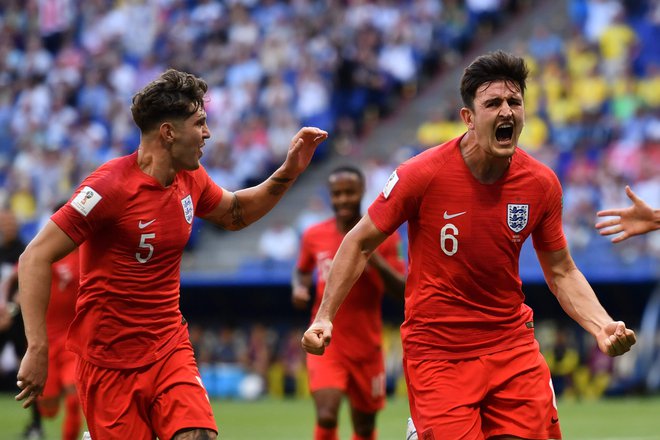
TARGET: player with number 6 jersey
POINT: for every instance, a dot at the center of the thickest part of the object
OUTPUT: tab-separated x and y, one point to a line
473	368
465	241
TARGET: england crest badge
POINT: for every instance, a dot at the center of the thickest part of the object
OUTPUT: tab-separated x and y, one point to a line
517	216
187	204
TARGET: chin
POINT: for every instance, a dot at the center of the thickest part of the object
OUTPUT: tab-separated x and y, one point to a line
194	166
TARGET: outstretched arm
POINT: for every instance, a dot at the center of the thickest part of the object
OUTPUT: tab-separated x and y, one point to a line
348	264
637	219
579	301
34	276
241	208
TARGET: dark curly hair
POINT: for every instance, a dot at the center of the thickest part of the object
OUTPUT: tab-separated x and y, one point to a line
494	66
174	95
348	169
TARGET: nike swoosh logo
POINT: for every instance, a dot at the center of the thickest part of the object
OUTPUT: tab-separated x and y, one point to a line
448	216
144	225
554	420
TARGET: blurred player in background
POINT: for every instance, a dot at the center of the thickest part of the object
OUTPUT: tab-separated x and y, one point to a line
60	384
354	366
637	219
11	322
136	374
472	365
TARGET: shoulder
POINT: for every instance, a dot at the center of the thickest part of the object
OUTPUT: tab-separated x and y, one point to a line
535	169
200	176
429	161
105	187
112	175
419	171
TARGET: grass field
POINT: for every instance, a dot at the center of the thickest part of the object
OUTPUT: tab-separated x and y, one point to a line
611	419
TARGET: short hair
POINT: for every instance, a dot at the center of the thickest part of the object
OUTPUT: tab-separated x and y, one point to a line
348	169
173	95
494	66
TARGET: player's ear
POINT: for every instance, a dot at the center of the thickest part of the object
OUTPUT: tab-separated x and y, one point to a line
167	132
468	117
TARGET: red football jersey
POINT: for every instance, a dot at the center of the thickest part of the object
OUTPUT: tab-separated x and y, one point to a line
63	295
358	323
132	232
463	291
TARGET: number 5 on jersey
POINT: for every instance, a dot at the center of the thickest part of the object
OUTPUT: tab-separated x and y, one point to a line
144	245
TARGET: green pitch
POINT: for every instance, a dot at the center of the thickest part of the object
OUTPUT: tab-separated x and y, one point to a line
609	419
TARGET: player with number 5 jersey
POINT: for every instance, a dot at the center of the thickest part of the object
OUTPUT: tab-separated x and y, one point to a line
131	218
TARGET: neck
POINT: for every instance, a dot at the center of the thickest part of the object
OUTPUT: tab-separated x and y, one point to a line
344	227
154	160
484	167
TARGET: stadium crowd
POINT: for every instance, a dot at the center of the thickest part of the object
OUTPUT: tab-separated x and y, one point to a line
68	70
593	115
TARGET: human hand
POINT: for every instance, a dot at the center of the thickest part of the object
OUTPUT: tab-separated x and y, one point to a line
615	339
32	375
317	337
634	220
301	150
300	297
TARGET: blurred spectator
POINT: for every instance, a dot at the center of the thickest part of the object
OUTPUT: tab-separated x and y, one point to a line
278	243
594	377
563	360
291	357
315	211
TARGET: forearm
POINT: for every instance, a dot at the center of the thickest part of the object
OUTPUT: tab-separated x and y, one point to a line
579	301
251	204
34	277
301	279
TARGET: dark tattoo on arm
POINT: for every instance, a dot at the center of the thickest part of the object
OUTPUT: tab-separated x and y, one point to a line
236	212
281	184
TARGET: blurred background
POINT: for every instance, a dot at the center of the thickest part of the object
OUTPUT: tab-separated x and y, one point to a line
382	77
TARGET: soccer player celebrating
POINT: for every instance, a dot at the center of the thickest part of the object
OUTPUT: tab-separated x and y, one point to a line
136	374
354	366
472	365
637	219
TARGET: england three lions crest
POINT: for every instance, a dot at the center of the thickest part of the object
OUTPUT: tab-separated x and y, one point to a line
517	216
187	204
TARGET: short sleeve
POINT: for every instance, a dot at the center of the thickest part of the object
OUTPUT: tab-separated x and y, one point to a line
549	234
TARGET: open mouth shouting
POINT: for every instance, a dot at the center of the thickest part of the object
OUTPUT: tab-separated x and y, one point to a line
504	133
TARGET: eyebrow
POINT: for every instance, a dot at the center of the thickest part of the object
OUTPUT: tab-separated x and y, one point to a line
500	99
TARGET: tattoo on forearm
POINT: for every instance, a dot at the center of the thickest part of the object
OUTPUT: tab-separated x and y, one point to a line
237	212
279	186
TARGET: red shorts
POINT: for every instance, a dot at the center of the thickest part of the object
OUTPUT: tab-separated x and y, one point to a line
504	393
61	370
142	403
362	381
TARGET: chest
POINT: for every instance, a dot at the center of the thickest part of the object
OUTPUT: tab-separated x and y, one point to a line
479	215
155	221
